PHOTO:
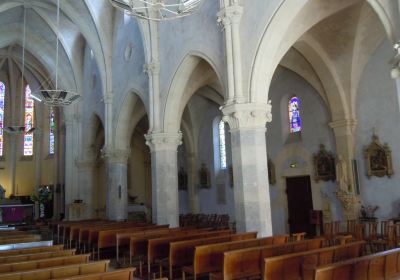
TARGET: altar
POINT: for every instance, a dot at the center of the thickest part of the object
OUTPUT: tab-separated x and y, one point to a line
17	214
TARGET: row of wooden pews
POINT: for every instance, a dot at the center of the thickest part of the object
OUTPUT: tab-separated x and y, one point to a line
25	257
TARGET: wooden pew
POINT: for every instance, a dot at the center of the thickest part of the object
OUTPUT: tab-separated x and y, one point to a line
119	274
212	259
383	265
36	256
37	264
93	232
33	250
158	248
123	239
19	240
181	253
25	245
107	238
62	228
58	271
300	265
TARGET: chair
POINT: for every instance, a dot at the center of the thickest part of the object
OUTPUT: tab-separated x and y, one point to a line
328	234
372	229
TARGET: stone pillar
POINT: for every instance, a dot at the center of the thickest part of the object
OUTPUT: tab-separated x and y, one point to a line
247	124
69	194
230	17
117	183
86	177
344	131
193	192
164	172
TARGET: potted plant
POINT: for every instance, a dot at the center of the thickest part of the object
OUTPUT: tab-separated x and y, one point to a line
44	195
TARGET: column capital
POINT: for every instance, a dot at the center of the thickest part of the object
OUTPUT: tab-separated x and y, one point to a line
152	68
344	127
113	155
247	115
163	141
231	14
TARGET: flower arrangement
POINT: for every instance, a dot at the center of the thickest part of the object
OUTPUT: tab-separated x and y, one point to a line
368	211
44	195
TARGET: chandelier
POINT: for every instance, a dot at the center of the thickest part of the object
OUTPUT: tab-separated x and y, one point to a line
158	10
56	97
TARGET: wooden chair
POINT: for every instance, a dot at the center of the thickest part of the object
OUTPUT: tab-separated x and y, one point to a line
372	235
360	232
335	228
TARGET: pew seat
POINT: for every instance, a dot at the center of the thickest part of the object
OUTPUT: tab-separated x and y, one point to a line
33	250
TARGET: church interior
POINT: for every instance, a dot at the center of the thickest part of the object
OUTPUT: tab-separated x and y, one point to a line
219	139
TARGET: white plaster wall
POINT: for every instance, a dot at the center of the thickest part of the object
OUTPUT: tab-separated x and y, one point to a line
378	106
128	74
204	112
283	150
197	34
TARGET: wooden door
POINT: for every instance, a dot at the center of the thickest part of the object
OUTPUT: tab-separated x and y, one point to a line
299	196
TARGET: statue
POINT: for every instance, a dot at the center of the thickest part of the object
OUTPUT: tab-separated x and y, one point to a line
341	174
2	192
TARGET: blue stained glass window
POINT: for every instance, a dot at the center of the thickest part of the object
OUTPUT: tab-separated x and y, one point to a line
2	98
294	115
222	146
52	139
29	113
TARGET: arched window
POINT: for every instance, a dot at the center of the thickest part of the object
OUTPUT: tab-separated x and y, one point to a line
29	113
222	146
294	115
2	98
52	139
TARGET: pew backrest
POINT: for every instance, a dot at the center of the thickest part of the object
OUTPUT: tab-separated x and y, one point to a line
119	274
37	264
249	261
210	258
383	265
33	250
58	272
302	265
36	256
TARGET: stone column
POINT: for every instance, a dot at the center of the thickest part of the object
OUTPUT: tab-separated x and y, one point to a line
117	183
86	177
344	131
247	124
164	172
70	168
193	192
230	17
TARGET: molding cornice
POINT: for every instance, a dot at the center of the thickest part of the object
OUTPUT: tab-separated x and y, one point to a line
116	155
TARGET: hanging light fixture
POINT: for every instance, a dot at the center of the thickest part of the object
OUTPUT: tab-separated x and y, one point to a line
20	129
56	97
158	10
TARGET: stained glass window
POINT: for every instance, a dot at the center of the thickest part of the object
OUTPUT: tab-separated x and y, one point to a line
294	115
52	139
29	112
2	97
222	147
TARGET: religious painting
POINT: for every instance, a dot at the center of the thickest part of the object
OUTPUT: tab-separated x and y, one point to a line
204	177
182	179
271	172
324	165
378	159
